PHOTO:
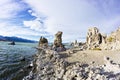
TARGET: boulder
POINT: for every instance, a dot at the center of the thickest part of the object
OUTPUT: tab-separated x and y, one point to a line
12	43
43	42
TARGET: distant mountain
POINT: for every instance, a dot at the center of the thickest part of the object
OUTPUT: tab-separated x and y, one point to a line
2	38
16	39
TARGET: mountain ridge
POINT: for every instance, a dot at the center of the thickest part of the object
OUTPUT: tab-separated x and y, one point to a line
16	39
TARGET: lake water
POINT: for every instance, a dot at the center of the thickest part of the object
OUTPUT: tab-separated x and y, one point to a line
11	66
10	59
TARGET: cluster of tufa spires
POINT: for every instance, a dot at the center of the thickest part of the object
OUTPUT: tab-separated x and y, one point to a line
94	40
57	45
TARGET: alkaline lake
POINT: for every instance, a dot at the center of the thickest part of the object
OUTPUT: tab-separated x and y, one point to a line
11	63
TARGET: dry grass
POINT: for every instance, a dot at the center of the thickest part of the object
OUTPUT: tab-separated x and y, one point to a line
99	49
110	39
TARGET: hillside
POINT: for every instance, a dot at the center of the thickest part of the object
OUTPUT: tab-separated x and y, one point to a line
16	39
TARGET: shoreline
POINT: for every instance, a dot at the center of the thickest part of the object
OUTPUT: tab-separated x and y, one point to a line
52	65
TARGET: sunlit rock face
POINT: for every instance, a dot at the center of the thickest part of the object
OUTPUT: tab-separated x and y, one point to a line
113	41
115	35
95	38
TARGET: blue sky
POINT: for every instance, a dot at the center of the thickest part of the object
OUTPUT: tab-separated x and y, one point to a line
34	18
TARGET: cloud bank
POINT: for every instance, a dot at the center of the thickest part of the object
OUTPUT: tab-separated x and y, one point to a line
34	18
76	17
10	8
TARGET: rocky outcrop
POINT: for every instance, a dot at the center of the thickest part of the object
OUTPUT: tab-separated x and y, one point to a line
112	41
12	43
58	39
111	46
57	45
93	35
94	38
115	35
51	66
43	42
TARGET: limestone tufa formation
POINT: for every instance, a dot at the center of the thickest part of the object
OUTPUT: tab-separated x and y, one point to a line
113	41
57	45
51	66
94	38
58	39
43	42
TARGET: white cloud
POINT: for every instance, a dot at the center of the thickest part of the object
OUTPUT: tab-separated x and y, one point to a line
37	24
32	13
10	8
73	17
63	16
8	29
33	24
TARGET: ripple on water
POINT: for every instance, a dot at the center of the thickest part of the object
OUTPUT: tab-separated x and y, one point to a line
11	66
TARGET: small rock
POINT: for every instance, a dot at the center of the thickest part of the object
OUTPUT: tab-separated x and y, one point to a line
22	59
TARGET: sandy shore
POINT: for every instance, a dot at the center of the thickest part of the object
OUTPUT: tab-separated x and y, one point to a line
91	56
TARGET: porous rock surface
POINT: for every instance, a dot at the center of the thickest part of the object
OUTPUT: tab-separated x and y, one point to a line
58	39
43	42
51	66
57	45
94	38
